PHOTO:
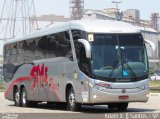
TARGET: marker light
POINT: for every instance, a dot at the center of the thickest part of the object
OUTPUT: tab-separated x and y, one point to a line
94	96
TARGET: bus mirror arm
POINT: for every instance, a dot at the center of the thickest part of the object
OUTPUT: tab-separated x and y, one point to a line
152	45
87	47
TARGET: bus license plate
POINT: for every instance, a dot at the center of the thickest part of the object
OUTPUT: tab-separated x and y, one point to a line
123	97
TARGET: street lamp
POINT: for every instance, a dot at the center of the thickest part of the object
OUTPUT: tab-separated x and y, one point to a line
117	2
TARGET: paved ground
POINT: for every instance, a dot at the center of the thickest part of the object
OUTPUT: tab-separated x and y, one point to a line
43	111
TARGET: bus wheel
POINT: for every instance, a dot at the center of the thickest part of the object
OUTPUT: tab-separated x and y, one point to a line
25	102
72	105
122	106
17	98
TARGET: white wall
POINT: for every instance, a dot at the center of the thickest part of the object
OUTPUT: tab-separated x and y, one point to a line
1	47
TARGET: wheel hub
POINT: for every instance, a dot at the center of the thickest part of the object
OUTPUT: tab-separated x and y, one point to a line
72	99
17	97
24	98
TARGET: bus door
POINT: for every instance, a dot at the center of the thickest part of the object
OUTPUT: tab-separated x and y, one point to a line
84	66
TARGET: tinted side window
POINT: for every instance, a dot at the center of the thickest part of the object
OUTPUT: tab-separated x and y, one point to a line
51	46
6	53
10	59
83	62
40	52
58	45
11	51
78	34
20	52
29	46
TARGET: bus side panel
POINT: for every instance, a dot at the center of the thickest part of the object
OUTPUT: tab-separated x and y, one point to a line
51	81
78	80
61	73
82	88
8	94
17	76
46	80
52	77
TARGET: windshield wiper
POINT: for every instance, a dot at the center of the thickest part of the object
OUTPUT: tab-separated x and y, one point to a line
131	70
111	73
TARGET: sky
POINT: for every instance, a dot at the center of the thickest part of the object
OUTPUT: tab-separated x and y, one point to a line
61	7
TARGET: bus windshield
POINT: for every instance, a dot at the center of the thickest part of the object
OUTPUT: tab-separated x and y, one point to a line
119	57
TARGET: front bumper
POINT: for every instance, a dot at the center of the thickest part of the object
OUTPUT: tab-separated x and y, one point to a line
109	96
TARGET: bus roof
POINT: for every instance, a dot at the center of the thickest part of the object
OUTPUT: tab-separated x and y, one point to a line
90	26
104	26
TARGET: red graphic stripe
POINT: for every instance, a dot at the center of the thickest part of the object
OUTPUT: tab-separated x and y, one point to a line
55	94
19	80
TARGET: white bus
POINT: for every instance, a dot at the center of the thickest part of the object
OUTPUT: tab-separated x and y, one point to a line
78	62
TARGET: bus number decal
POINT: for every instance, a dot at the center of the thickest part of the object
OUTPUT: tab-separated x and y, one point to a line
40	73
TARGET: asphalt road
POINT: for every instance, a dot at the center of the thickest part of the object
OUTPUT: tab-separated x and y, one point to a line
44	111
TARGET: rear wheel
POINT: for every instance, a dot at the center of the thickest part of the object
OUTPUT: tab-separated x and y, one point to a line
17	97
72	105
122	106
25	102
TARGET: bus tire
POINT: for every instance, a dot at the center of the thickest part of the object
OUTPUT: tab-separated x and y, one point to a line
72	105
122	106
33	103
111	106
17	100
25	102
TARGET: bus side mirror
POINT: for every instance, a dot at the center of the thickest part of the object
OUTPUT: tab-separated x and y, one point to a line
87	47
152	45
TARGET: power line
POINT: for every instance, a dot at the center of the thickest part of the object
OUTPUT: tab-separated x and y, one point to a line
18	17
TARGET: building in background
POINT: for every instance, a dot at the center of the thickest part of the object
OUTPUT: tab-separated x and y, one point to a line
96	14
53	18
76	9
132	14
47	20
154	20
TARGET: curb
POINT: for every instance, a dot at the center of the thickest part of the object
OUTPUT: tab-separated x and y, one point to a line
154	88
154	94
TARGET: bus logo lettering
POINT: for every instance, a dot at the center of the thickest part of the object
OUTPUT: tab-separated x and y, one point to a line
39	72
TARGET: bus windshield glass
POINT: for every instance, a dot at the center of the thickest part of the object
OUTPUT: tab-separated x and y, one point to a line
119	57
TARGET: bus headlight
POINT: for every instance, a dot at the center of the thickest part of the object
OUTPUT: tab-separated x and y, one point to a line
100	88
144	87
94	96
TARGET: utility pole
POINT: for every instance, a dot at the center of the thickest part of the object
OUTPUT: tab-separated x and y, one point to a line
118	15
76	9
